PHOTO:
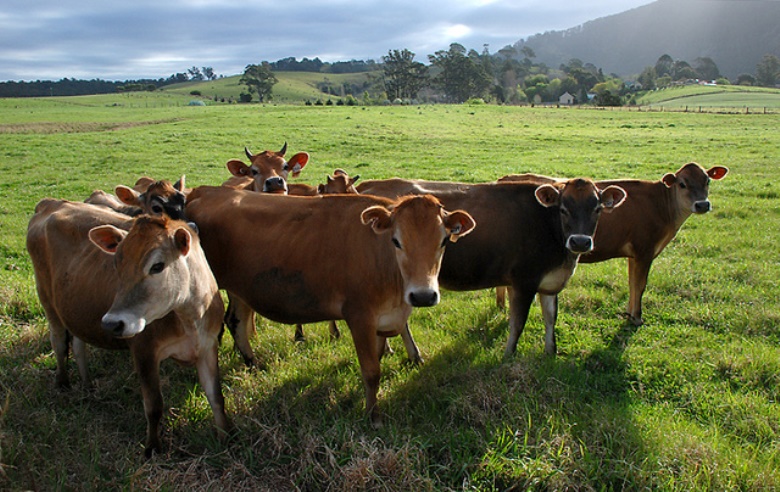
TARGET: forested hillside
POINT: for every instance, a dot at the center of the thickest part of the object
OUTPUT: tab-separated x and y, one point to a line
735	34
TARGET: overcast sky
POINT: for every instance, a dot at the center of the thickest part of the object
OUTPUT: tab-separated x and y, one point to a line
135	39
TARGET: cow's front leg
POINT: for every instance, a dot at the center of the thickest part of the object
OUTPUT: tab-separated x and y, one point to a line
519	305
638	271
148	368
364	335
550	313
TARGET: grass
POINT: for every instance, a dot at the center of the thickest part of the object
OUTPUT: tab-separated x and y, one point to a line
686	402
722	96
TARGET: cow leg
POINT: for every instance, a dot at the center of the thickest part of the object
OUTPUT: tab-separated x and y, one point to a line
58	337
501	297
411	348
638	271
335	334
550	313
148	368
365	337
519	305
208	375
299	336
80	354
240	320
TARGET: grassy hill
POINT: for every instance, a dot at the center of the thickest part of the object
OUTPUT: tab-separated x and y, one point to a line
721	96
293	87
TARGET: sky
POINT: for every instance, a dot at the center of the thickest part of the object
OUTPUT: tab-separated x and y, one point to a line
152	39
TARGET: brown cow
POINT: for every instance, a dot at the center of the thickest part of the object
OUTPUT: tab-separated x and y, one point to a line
530	237
146	197
278	256
649	219
267	172
141	285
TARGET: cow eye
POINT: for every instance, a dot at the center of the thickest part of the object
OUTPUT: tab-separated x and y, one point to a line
286	167
157	209
254	172
396	243
565	212
157	268
682	184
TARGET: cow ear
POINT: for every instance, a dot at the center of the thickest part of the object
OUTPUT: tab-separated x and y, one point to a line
237	168
297	162
458	224
182	239
547	195
128	196
179	185
321	189
378	217
669	180
717	172
143	183
354	179
612	197
107	237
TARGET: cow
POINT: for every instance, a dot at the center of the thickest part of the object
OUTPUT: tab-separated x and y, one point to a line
339	182
140	284
282	257
529	236
146	197
648	220
267	171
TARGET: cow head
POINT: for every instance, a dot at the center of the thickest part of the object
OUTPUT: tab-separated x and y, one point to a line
269	169
580	204
419	228
691	186
159	197
340	182
156	262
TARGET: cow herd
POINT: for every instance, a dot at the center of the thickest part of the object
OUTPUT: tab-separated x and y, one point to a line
141	269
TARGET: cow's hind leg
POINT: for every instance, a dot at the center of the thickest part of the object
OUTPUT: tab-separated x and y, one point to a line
80	354
208	375
59	337
240	320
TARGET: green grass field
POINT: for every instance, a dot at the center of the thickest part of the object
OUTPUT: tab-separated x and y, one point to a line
686	402
714	97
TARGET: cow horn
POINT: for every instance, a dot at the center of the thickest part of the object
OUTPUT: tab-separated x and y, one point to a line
248	154
283	151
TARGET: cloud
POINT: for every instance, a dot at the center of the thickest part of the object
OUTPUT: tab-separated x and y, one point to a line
49	39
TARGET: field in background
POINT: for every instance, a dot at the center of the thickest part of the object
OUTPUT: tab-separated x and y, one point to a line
694	97
688	401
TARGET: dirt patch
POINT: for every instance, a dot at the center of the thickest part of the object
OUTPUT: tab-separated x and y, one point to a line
49	128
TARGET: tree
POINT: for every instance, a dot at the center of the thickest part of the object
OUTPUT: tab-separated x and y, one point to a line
745	79
768	71
194	73
461	77
664	66
404	77
259	79
208	72
706	68
648	78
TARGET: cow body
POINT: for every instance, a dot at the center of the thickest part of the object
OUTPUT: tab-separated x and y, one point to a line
283	257
529	236
148	290
649	219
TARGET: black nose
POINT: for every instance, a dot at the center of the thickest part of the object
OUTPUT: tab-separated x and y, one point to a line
702	207
274	184
424	298
580	243
114	328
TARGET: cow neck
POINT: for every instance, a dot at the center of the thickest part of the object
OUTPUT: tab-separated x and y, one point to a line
671	210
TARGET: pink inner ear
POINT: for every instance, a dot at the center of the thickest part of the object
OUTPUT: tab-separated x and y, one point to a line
717	172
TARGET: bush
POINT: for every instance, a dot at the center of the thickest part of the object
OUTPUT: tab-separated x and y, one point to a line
245	97
195	93
475	101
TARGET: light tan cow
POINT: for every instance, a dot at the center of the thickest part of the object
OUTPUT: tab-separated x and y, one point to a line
642	227
282	256
119	283
267	171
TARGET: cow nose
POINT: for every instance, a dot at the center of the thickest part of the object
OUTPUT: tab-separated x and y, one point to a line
274	184
114	328
702	207
579	243
423	298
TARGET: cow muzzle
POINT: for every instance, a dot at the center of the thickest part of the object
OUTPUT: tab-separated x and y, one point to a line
579	243
118	327
423	297
275	185
701	207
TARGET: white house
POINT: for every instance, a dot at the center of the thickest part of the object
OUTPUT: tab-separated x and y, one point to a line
566	99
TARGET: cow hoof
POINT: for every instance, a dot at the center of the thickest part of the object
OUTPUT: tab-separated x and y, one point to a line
414	361
300	338
634	320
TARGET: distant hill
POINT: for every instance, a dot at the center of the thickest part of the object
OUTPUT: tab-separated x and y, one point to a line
736	34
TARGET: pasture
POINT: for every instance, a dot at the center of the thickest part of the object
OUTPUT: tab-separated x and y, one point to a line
689	401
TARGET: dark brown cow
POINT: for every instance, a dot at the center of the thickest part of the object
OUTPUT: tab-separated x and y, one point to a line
281	257
267	171
146	197
529	236
648	220
148	290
